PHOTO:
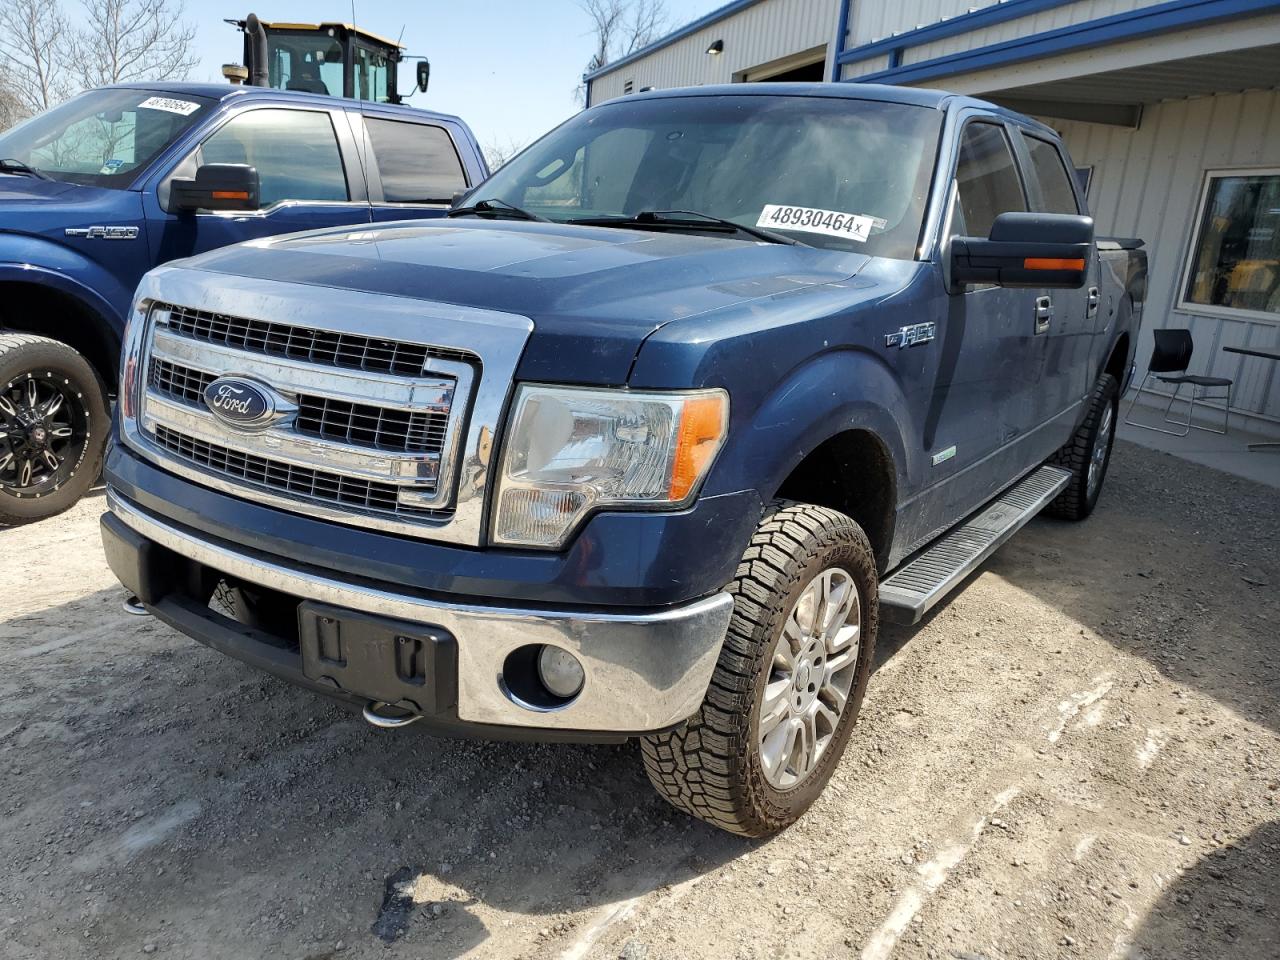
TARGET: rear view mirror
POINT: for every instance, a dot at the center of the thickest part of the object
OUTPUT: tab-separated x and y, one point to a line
1026	250
424	75
218	186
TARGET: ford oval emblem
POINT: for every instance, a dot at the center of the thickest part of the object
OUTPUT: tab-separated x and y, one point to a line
239	402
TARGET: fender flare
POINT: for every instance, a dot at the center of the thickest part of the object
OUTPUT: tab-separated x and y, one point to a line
93	301
830	394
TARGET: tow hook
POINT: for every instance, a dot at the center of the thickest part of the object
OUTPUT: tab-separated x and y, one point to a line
374	718
134	606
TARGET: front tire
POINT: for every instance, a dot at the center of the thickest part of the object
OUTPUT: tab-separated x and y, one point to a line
53	427
1088	454
789	684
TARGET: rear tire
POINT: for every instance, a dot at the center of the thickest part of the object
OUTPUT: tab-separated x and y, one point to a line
788	687
1088	454
54	421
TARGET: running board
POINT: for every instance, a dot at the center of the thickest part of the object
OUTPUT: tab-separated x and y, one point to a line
909	592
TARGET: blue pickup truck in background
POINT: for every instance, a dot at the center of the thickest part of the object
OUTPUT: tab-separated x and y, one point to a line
645	438
99	190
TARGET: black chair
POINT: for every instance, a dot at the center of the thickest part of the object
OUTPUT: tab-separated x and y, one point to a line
1172	355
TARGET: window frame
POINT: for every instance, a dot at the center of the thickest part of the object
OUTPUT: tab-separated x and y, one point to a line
357	191
953	185
1181	303
1082	208
377	195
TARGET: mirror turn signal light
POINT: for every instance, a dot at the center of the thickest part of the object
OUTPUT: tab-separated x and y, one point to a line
1052	263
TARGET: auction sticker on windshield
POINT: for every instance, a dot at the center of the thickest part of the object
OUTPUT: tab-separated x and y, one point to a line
833	223
169	105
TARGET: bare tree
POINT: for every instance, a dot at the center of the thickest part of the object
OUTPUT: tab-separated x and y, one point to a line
129	40
11	110
621	27
497	151
34	38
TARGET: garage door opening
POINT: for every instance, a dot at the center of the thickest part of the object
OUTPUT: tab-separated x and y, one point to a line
807	66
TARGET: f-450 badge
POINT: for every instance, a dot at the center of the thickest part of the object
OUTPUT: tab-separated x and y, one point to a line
911	336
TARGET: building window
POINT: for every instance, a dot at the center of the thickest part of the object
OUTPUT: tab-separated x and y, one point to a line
1084	177
1235	260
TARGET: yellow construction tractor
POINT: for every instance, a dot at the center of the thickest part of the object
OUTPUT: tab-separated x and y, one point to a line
334	58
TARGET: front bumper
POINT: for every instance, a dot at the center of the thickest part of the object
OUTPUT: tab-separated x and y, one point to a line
645	669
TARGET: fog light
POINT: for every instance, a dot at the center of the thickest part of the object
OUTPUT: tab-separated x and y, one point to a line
560	672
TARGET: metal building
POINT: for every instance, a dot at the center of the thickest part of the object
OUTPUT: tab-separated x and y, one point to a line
1171	110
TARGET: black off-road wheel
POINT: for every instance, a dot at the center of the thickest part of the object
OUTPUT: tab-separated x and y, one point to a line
53	427
788	687
1088	454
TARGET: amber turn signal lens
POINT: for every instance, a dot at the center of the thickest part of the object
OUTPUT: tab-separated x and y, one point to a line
1051	263
230	195
702	424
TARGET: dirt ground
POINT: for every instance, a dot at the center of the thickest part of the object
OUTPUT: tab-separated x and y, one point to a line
1078	755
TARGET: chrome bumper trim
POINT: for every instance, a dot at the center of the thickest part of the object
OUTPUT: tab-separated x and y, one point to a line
645	671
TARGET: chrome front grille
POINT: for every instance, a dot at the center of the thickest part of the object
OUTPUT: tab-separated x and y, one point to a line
364	427
314	346
315	485
382	408
180	383
358	424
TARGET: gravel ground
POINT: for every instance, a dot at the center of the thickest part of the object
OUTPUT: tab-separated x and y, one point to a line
1077	756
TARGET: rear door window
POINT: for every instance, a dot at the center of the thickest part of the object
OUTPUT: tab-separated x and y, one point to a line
987	181
417	161
295	153
1056	194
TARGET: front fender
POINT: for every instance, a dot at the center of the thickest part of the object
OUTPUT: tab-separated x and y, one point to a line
834	392
28	259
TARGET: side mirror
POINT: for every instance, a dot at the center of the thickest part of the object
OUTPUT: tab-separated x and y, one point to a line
1026	250
424	75
458	195
217	186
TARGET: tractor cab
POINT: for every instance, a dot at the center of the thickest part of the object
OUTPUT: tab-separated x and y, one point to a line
337	59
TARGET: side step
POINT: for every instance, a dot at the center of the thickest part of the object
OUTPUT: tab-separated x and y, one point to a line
909	592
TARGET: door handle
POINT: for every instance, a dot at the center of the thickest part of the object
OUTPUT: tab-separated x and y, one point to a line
1094	297
1044	314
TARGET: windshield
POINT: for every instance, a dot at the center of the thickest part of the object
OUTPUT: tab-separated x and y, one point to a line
830	172
103	137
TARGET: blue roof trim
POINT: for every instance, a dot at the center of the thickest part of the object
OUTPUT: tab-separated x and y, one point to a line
951	27
720	13
1130	25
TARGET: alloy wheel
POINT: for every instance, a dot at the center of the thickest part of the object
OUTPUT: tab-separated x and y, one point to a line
1101	450
810	677
44	432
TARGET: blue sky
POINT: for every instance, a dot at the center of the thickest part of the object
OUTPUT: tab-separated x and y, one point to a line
508	67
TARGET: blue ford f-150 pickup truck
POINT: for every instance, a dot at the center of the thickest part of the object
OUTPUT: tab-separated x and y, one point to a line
96	192
645	438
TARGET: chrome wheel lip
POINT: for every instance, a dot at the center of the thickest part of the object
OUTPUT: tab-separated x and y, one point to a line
1101	449
810	678
44	433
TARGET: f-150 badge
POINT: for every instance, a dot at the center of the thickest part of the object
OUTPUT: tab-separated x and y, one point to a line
103	233
912	335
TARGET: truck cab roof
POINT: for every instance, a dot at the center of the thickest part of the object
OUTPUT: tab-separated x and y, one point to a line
880	92
227	91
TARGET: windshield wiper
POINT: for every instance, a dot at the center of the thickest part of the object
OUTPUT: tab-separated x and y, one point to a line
10	165
677	219
495	207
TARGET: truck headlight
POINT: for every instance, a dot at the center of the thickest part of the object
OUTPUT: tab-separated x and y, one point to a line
570	450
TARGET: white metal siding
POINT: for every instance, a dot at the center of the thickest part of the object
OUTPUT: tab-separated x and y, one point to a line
877	21
760	34
1147	183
